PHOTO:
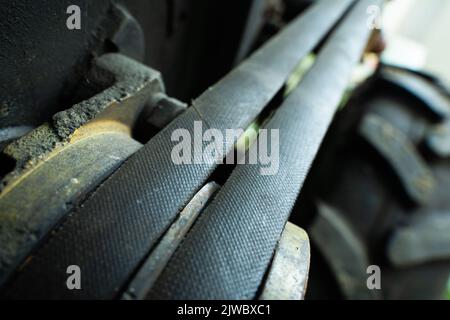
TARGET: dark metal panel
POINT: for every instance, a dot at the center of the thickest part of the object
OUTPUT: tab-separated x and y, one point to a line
192	42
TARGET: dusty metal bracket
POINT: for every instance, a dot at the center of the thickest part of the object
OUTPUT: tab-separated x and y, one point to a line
61	161
288	274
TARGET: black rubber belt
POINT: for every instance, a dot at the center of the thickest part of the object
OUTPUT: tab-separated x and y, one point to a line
119	224
226	254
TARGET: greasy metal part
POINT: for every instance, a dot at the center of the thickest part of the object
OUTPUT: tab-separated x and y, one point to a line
151	189
288	274
437	103
395	148
60	162
163	109
438	140
130	87
152	267
425	240
234	241
343	251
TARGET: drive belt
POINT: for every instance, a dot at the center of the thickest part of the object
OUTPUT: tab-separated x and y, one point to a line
118	225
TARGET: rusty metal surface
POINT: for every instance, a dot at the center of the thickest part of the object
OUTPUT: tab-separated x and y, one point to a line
288	274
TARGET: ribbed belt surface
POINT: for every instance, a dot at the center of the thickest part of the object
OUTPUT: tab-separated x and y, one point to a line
119	224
